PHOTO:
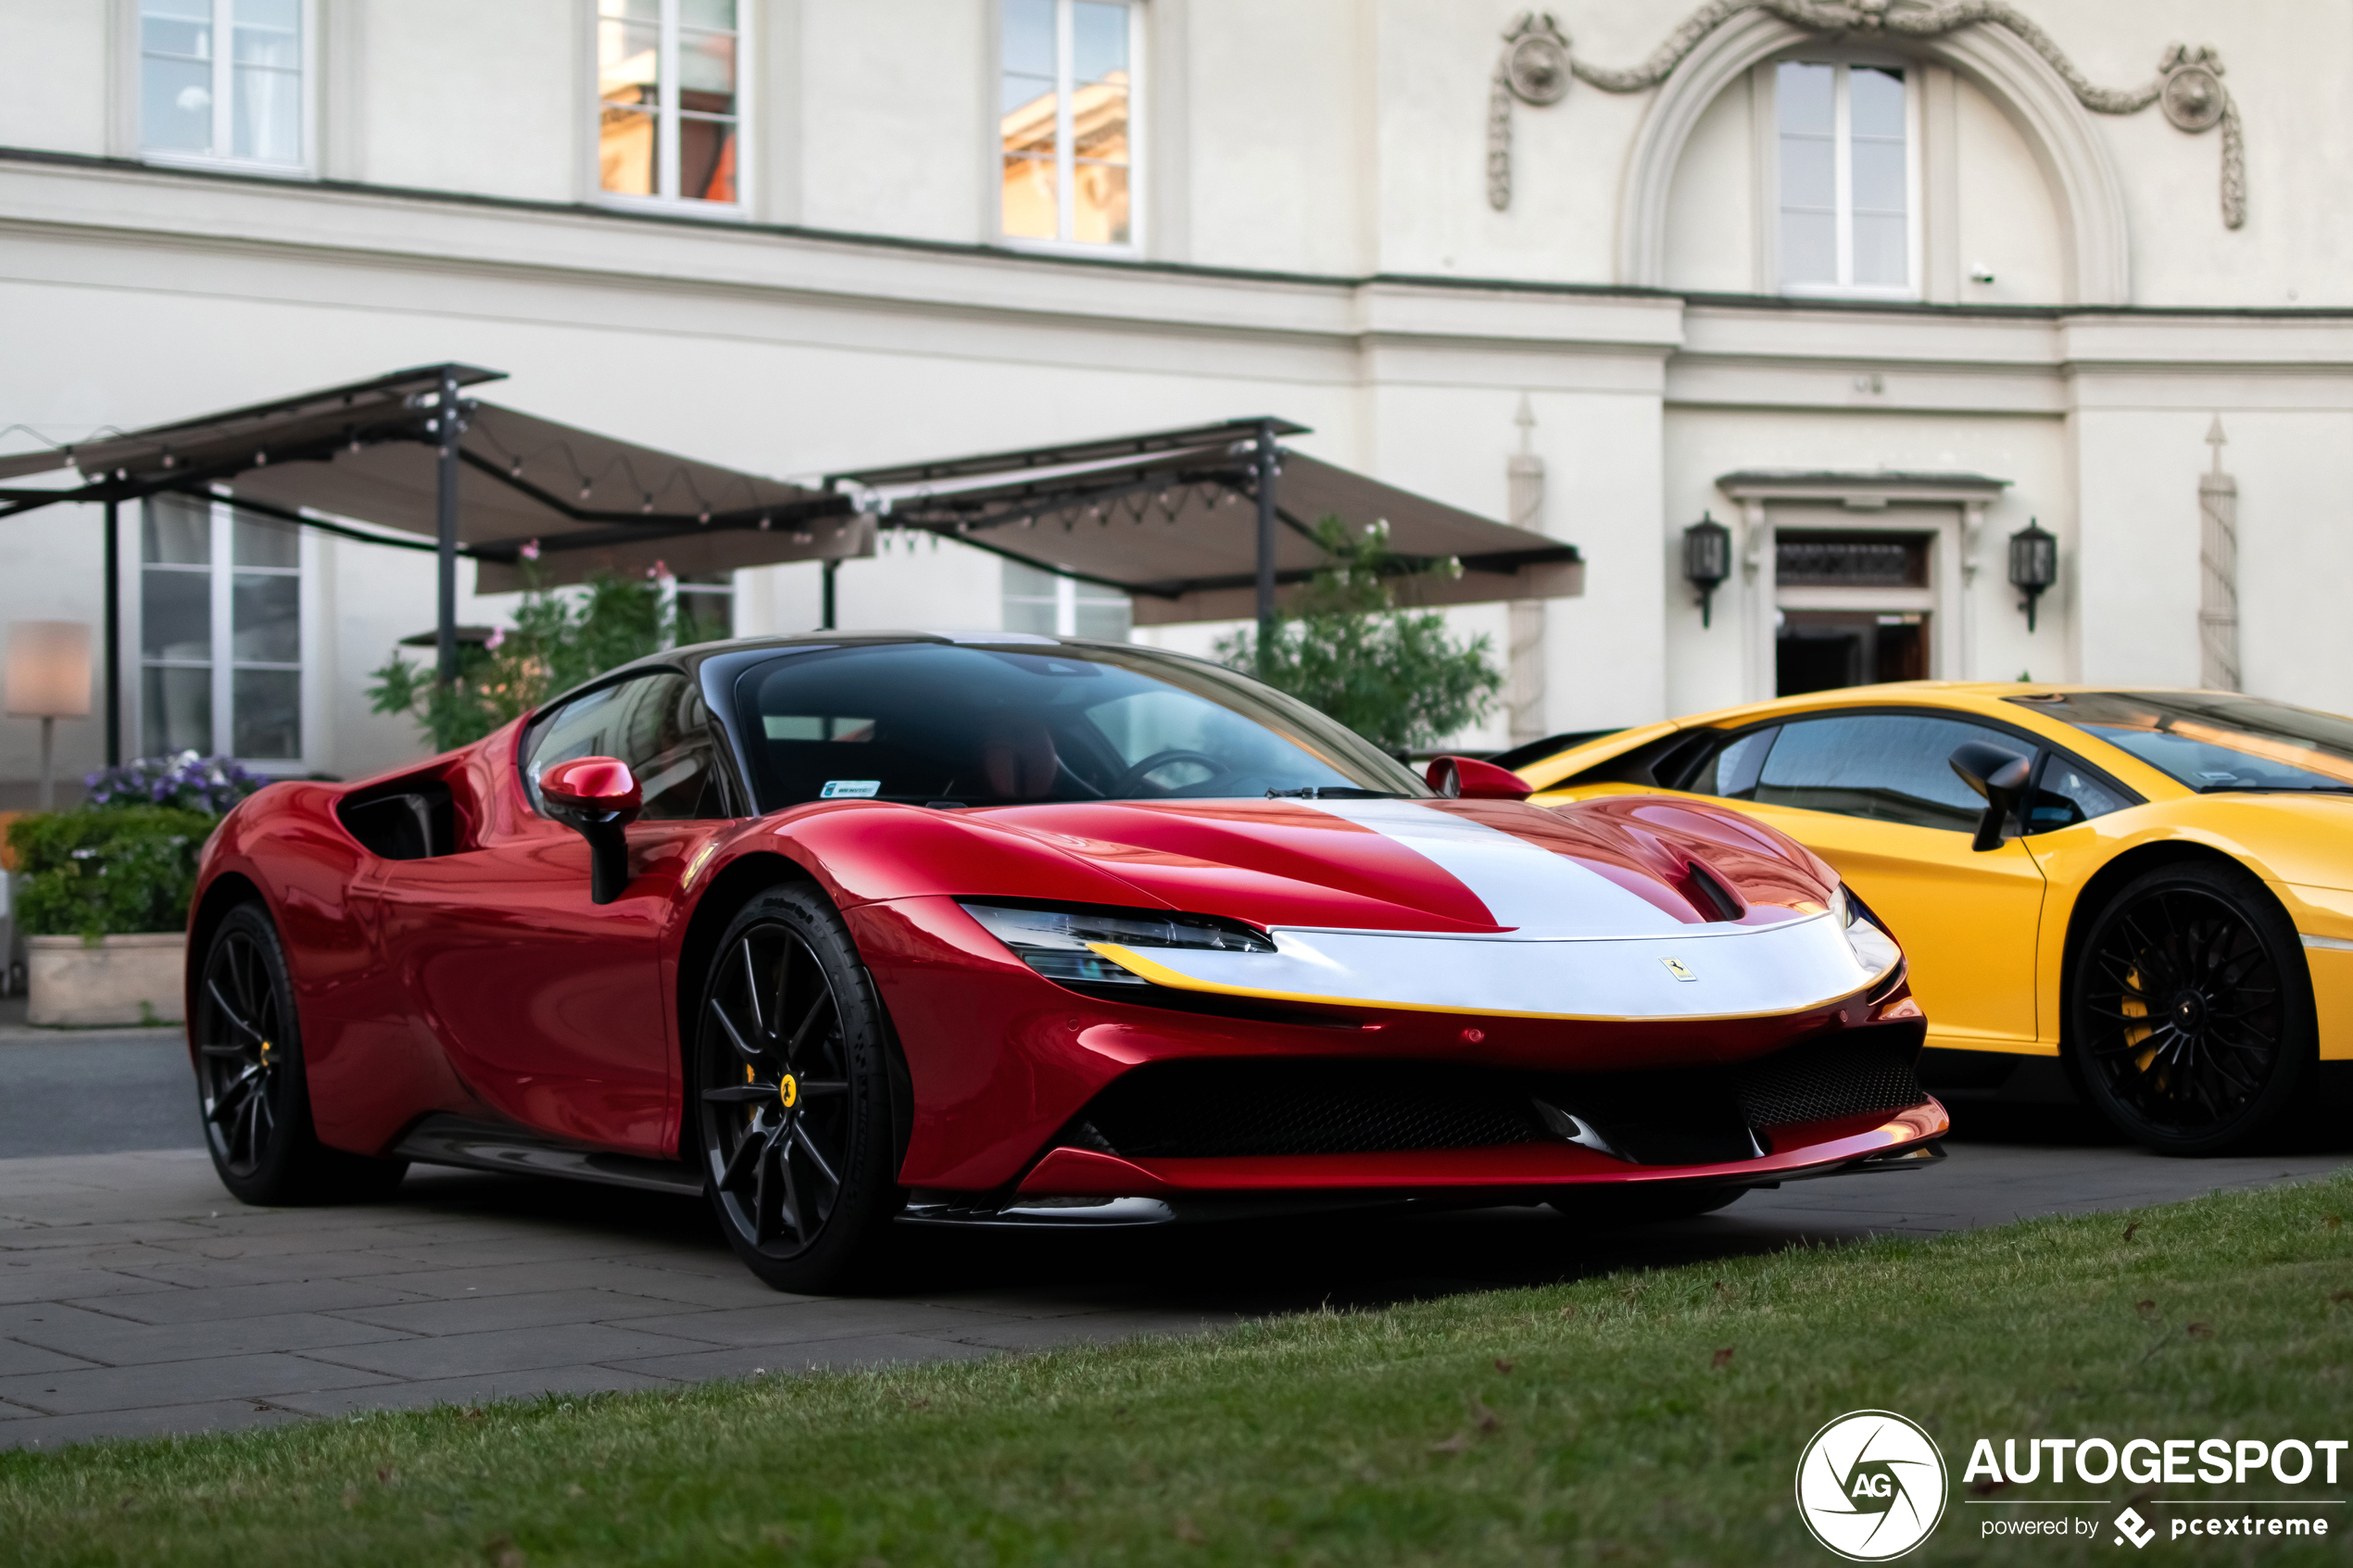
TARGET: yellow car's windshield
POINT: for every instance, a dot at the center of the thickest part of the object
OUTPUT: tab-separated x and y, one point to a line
2214	741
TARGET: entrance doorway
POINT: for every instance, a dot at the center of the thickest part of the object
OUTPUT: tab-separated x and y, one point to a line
1852	608
1818	650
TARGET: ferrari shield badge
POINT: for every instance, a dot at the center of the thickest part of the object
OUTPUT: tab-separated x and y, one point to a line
1675	967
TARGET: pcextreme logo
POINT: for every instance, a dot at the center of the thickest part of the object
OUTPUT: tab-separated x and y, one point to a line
1871	1486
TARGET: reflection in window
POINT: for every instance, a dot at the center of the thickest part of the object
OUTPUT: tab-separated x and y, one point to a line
2214	742
220	632
682	144
2067	796
1052	604
1891	767
930	724
223	78
1065	105
657	724
1845	177
1732	773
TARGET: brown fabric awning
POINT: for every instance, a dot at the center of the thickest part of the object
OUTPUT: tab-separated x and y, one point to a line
369	452
1171	519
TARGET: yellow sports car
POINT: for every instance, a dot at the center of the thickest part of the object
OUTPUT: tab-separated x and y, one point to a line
2151	891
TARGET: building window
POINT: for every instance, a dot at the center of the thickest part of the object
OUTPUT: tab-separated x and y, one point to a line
1846	164
222	80
220	632
706	608
1065	107
1056	606
668	109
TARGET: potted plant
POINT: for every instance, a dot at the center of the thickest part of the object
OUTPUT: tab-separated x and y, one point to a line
102	893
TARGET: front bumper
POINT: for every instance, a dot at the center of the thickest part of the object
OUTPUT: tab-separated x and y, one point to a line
1081	1190
1003	1062
1814	1150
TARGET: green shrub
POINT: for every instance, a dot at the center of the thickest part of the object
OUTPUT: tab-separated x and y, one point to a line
560	639
114	873
1343	648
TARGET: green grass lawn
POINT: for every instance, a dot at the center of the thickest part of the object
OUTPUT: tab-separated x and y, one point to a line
1652	1417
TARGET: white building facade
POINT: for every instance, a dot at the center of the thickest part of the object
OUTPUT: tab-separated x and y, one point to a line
1872	286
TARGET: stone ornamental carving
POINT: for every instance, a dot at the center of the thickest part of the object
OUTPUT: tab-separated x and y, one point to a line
2218	575
1538	62
1534	69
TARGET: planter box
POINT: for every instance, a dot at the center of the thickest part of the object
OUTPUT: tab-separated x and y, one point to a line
122	980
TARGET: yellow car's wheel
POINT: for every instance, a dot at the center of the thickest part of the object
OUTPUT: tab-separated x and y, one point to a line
2192	1014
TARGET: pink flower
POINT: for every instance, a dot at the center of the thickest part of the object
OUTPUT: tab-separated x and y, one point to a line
498	636
530	549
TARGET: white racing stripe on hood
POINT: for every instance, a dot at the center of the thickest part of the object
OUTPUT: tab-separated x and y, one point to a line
1524	885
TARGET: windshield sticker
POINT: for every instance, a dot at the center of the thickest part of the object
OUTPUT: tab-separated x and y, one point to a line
851	789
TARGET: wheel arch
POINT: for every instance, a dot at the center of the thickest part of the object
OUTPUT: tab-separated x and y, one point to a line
742	879
223	894
2103	885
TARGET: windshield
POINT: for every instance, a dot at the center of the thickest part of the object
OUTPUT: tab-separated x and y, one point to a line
933	724
2213	741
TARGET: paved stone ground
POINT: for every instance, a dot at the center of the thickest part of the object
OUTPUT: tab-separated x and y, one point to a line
136	1296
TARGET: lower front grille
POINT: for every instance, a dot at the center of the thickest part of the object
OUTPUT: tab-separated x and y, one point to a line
1843	1075
1227	1109
1230	1108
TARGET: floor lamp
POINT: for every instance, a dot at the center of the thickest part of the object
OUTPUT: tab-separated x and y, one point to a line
49	679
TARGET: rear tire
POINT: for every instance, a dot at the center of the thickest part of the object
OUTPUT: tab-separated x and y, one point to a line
2189	1022
792	1100
250	1081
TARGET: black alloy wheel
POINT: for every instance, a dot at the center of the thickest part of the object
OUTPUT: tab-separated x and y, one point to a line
247	1038
792	1096
2192	1026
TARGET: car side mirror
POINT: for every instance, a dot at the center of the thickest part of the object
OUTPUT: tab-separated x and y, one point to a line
596	796
1997	773
1467	778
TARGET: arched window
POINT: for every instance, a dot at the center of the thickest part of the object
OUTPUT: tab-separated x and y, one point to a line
1845	207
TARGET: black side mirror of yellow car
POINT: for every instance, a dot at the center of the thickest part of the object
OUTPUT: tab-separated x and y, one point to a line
1999	775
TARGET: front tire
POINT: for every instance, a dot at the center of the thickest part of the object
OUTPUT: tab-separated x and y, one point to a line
2191	1024
250	1081
791	1094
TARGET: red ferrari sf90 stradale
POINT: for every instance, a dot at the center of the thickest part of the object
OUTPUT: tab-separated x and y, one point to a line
1001	930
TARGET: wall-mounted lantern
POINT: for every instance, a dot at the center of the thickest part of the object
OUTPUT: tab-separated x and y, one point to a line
2034	564
1707	560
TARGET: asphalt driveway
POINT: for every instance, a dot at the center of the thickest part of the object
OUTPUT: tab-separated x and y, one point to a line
135	1296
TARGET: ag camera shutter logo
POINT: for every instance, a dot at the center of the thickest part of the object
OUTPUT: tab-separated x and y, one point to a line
1871	1485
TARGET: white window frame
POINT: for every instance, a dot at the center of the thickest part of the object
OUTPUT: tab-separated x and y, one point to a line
1065	598
666	123
222	584
224	89
702	587
1768	127
1066	187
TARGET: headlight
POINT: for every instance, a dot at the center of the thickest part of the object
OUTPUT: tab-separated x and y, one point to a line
1874	948
1054	942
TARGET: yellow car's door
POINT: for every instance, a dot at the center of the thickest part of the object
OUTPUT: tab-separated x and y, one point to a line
1873	793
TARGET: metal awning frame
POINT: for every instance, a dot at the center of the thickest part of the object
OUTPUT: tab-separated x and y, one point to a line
430	411
1242	458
